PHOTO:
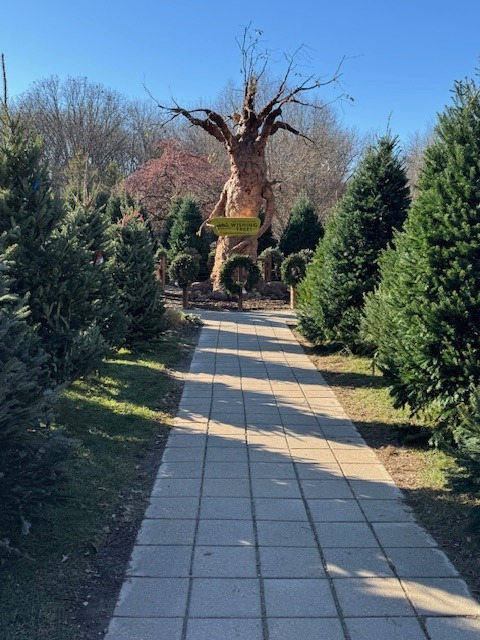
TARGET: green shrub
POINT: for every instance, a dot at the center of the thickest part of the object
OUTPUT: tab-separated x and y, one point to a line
183	270
277	258
27	477
187	221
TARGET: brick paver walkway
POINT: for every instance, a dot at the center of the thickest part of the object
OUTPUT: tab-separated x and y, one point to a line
272	520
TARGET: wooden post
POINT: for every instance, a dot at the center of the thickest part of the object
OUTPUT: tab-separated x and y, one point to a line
163	270
268	269
261	262
240	301
292	297
185	297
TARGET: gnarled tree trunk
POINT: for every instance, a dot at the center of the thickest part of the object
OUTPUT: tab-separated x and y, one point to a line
245	194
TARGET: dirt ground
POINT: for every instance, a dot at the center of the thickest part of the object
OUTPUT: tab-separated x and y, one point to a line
442	515
173	296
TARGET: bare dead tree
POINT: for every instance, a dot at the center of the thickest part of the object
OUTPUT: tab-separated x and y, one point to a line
245	135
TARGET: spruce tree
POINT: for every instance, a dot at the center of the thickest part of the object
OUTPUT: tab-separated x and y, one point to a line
303	230
134	276
183	234
425	315
345	266
48	262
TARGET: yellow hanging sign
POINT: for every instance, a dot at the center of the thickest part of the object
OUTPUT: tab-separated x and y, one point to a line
235	226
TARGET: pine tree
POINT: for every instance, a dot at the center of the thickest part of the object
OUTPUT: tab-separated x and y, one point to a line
87	209
425	315
48	262
183	234
303	230
134	276
345	266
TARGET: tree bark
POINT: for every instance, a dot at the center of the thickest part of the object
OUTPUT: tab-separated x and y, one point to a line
185	297
246	193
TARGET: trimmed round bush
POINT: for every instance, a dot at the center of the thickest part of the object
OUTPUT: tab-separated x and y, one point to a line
228	271
183	269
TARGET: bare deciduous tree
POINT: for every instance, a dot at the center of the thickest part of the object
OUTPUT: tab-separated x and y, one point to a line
317	171
414	153
244	135
76	116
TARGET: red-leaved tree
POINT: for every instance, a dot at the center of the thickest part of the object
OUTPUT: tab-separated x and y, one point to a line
176	173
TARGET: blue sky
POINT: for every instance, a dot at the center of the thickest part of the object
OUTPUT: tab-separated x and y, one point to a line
401	57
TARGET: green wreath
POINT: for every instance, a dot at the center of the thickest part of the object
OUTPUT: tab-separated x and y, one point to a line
228	270
184	270
293	269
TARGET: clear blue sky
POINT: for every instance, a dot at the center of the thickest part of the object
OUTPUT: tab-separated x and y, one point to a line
402	57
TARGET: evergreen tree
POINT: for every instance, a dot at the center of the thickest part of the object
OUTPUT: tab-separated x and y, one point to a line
303	230
114	209
24	383
425	315
48	262
345	266
30	454
95	234
175	205
134	276
183	235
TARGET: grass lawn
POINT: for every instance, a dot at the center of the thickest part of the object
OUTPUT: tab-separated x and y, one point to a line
424	474
120	420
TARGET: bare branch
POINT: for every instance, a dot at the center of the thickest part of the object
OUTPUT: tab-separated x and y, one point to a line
4	74
309	84
286	127
219	210
213	124
271	104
